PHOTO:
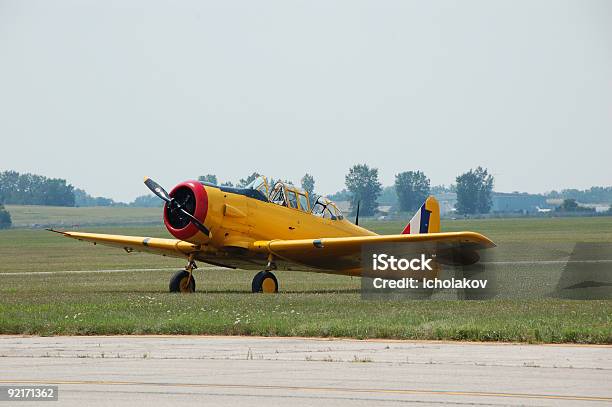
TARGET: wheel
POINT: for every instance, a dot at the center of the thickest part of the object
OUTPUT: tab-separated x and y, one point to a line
181	283
265	282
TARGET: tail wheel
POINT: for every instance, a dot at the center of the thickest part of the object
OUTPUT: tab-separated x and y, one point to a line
265	282
181	283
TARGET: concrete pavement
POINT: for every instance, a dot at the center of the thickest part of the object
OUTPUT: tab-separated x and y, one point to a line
202	370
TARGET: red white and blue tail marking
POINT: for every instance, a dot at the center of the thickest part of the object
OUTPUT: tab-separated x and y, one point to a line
425	220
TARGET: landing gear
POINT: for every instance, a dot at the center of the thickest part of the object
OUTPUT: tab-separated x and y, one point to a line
264	282
183	281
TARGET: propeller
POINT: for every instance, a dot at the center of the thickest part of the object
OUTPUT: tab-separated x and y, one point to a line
173	205
357	214
157	189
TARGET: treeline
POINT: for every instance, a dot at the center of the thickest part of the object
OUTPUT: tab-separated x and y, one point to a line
82	198
591	195
474	190
31	189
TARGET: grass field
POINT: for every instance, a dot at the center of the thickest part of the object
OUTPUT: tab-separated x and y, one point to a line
42	216
137	302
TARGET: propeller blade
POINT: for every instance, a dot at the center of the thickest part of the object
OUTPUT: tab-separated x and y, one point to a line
357	214
157	189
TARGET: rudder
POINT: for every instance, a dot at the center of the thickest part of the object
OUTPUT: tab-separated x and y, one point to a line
426	219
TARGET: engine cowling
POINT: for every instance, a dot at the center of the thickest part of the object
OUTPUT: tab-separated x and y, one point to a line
192	196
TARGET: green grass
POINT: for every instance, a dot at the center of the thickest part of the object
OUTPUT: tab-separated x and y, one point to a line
29	215
137	302
40	250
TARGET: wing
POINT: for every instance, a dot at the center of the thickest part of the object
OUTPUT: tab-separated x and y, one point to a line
167	247
343	254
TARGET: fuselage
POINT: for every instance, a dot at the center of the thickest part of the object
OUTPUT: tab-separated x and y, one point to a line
237	218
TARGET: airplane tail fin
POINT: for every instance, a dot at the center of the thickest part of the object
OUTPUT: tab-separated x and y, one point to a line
425	220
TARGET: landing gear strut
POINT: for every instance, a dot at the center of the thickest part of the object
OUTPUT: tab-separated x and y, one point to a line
183	281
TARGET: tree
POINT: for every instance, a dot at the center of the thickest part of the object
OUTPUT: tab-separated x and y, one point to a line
412	188
57	192
8	185
210	178
591	195
440	189
308	184
570	205
244	182
31	189
5	218
362	182
474	190
388	196
82	198
343	195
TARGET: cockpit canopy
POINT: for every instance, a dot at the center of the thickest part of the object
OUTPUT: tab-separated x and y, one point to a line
259	184
326	209
291	196
285	194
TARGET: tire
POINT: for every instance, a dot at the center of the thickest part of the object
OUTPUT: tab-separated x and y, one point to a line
264	282
178	282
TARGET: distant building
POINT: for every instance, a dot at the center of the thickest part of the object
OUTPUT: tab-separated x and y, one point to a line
599	207
518	202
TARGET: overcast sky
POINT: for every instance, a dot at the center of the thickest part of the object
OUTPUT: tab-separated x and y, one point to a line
104	92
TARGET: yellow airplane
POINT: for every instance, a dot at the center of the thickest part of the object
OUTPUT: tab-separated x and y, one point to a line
257	228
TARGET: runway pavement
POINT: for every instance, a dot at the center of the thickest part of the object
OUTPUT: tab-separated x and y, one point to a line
245	371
